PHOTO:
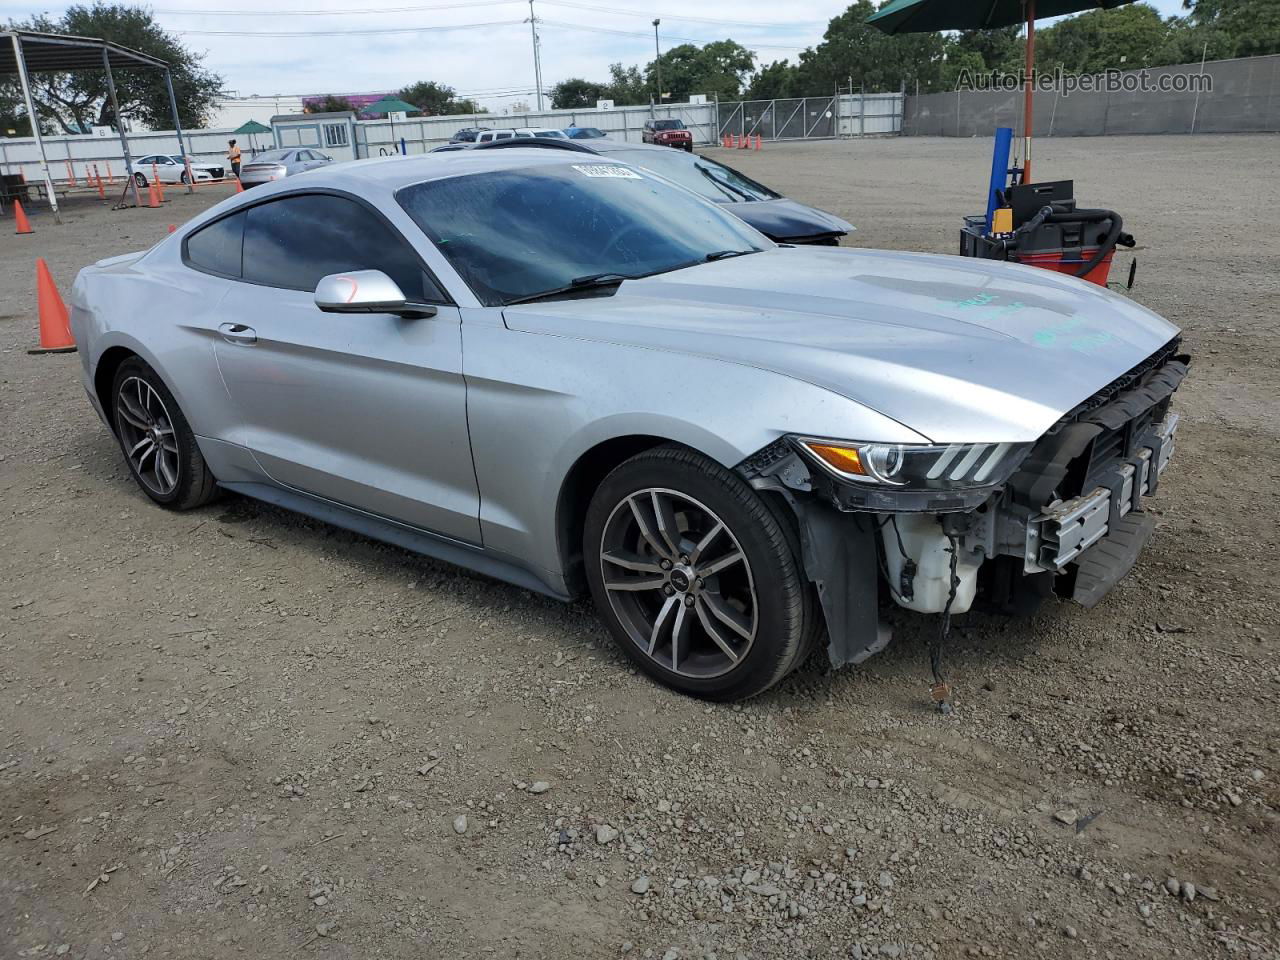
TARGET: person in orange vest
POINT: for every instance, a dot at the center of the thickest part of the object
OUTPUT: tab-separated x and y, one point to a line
233	154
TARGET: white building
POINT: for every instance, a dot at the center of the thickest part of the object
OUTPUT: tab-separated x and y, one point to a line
233	111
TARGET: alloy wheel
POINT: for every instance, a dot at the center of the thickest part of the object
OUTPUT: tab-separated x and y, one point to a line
147	435
679	582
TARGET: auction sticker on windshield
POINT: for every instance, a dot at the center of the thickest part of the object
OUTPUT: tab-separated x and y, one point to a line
606	170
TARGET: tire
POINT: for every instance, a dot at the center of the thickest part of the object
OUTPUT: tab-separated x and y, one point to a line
140	179
648	584
688	148
170	470
184	177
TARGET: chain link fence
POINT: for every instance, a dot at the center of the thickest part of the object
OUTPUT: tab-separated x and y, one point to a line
1240	96
812	118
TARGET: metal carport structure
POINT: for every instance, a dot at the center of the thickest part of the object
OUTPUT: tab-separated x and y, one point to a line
27	52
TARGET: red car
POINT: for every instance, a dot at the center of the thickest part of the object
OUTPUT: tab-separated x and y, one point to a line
668	133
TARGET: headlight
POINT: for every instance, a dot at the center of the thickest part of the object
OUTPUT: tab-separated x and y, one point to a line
953	466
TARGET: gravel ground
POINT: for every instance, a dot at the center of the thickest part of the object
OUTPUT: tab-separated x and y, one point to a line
238	732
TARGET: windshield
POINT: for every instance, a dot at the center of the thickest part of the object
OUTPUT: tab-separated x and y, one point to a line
512	234
668	124
703	176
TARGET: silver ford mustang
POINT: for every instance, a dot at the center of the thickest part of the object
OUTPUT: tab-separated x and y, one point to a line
568	373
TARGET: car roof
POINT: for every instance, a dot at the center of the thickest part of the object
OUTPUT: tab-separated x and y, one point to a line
606	145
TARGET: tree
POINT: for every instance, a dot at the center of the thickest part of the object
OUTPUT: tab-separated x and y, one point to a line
1128	37
778	80
626	87
78	101
327	104
1002	50
437	99
1232	28
719	68
854	51
576	93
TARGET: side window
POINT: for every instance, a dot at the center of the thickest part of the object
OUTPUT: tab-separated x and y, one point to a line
503	136
335	134
295	241
217	247
305	155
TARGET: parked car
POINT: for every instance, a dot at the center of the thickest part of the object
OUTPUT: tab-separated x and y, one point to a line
780	219
584	133
565	372
170	169
667	133
467	134
278	164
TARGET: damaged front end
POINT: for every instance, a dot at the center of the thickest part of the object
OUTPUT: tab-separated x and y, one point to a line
938	527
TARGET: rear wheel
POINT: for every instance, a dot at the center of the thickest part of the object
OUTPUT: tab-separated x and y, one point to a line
186	177
140	179
694	576
157	441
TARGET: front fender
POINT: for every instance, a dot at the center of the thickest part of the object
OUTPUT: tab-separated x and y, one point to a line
537	403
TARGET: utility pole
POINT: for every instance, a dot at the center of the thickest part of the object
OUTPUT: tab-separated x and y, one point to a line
537	59
657	59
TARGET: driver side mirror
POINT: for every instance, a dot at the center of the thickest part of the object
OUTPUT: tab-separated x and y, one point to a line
366	291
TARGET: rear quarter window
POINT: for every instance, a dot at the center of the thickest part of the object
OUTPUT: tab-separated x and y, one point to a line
217	248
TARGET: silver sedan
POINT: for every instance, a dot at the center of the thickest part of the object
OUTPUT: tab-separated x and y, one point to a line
565	372
272	165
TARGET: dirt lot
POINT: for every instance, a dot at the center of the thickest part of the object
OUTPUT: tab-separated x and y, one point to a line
237	732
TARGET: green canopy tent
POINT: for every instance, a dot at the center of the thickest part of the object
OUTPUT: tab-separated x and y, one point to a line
387	106
928	16
250	129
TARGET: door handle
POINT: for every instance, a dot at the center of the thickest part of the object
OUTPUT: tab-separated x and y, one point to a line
237	333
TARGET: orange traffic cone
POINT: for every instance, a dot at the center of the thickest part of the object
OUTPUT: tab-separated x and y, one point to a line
102	193
757	141
55	322
20	217
153	197
239	185
155	177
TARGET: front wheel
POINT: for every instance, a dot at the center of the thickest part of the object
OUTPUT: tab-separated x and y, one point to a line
157	441
139	179
694	576
186	177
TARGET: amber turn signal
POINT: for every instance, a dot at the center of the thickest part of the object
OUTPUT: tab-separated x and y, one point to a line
844	459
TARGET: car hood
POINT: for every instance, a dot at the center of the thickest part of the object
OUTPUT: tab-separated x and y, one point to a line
784	220
957	349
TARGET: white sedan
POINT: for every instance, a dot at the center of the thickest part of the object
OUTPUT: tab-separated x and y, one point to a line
168	168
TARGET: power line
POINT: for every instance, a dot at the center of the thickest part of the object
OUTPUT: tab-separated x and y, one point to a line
325	13
423	7
622	11
371	31
633	33
377	31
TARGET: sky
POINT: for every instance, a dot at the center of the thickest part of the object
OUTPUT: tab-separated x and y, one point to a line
482	48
